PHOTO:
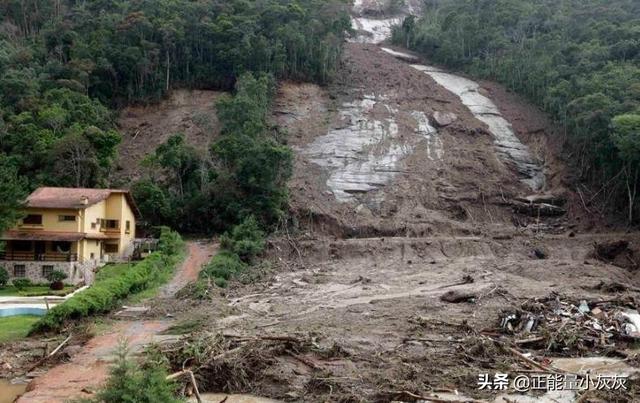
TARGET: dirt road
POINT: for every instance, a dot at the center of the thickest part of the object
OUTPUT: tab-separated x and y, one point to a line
88	369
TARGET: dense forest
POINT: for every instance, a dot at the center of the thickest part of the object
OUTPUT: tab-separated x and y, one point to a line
66	66
579	60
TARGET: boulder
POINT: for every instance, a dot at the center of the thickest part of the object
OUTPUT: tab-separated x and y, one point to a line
442	119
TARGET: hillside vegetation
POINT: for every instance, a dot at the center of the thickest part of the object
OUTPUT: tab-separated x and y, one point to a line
579	60
65	65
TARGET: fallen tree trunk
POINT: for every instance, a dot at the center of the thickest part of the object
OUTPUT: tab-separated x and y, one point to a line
554	200
538	209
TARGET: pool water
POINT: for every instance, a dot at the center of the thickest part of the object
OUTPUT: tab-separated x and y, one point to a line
22	310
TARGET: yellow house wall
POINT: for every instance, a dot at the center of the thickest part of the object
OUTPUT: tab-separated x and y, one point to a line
127	236
51	222
91	215
90	246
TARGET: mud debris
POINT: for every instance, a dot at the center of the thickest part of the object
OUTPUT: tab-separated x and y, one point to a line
568	327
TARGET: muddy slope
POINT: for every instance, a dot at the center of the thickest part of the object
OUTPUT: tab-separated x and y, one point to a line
144	128
372	159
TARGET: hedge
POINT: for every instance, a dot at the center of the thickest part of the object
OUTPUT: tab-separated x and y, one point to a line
105	294
239	248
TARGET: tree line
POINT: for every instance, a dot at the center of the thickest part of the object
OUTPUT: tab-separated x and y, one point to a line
67	66
579	60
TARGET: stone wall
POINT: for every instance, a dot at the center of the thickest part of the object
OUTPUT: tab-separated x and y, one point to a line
77	272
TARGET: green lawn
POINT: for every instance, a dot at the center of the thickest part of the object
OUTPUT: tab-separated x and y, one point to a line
16	327
33	291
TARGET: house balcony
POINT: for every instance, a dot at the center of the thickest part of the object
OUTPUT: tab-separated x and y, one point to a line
38	257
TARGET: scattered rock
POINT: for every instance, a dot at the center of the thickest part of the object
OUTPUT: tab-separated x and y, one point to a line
539	253
443	119
72	350
456	297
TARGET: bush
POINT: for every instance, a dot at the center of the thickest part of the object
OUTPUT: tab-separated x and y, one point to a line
56	278
238	249
170	242
105	294
130	383
199	289
222	267
4	277
21	283
246	240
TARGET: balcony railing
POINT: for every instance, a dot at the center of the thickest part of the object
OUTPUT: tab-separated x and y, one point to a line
39	257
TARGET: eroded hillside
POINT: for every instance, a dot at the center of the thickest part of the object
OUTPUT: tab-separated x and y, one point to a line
435	239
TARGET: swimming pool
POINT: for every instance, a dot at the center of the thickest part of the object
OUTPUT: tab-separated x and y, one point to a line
22	310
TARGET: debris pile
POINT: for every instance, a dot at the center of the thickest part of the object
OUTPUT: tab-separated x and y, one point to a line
565	326
233	363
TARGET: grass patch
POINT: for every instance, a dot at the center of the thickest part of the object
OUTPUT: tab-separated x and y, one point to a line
112	270
34	291
186	326
16	327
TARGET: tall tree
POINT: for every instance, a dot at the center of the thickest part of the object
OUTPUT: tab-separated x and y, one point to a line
11	194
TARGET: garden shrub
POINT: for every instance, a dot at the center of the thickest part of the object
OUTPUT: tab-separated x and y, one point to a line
130	383
105	294
245	239
21	283
239	247
223	266
4	277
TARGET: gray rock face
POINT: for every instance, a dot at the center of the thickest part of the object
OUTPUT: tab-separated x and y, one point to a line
442	119
507	144
364	153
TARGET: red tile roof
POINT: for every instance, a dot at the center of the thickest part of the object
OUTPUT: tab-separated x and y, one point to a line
74	198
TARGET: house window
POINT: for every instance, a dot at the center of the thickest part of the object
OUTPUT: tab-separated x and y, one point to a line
127	227
112	224
66	218
93	225
32	219
19	270
21	246
111	248
92	256
46	271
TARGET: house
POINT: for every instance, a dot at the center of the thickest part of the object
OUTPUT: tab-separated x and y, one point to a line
72	230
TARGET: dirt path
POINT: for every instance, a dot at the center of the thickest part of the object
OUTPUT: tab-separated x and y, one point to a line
199	254
88	369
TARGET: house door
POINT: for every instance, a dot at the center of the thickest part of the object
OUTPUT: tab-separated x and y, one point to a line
40	250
